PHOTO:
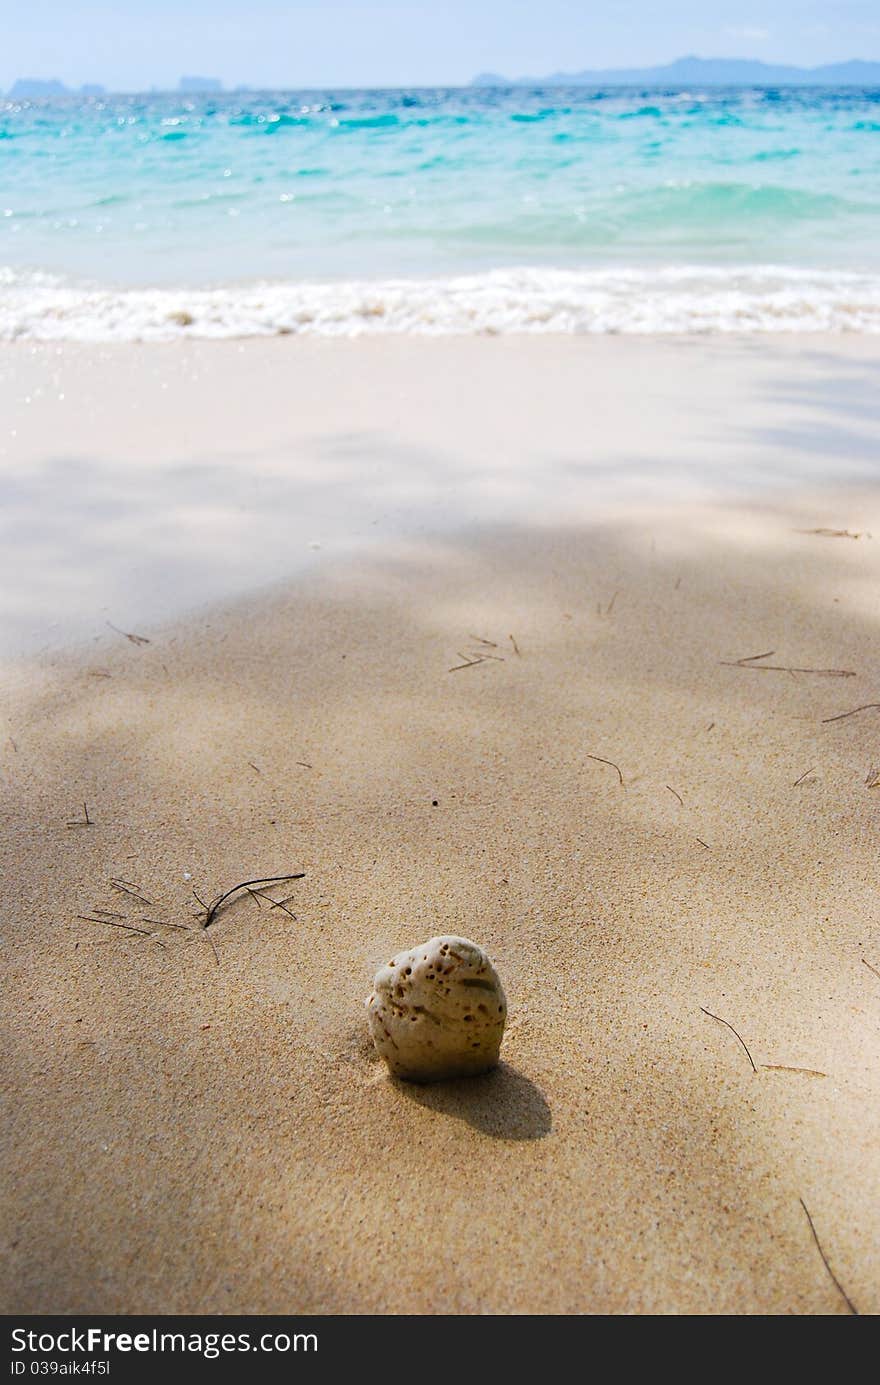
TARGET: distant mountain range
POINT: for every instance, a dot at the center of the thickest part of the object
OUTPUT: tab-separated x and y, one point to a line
38	86
683	72
34	87
705	72
203	84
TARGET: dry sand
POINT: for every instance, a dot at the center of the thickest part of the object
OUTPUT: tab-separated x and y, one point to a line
194	1120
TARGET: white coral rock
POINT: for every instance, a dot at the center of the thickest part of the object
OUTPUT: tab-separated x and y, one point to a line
438	1011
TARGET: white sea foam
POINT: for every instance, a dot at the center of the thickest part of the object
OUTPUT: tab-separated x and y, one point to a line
42	307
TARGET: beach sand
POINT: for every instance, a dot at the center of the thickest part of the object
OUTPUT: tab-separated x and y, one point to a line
637	827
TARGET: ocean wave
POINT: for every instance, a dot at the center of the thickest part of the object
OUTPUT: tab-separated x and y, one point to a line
686	203
43	307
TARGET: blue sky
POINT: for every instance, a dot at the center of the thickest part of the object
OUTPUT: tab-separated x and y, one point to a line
133	44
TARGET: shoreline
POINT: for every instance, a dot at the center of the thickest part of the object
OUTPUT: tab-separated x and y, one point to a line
662	300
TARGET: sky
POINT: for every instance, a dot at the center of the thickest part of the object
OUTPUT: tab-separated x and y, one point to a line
131	45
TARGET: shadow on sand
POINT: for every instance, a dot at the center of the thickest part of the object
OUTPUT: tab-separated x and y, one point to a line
503	1103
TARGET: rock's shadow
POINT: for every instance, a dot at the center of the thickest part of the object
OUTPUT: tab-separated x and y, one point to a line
503	1103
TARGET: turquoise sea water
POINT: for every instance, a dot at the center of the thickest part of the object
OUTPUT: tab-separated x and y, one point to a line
462	210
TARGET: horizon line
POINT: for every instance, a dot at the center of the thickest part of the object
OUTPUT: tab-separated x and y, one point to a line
215	86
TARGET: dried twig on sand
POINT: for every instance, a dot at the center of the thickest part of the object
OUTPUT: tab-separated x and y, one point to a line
831	533
86	820
729	1026
675	794
783	1067
837	1284
164	923
135	639
478	656
871	968
470	663
842	716
126	887
110	923
803	776
753	658
282	904
600	760
211	912
751	661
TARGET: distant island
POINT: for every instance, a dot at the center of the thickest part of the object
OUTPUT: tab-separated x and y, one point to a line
200	84
706	72
35	86
29	88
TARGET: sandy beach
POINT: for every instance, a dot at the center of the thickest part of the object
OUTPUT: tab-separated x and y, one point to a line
467	631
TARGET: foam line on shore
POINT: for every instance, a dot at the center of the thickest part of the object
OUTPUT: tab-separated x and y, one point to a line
652	301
